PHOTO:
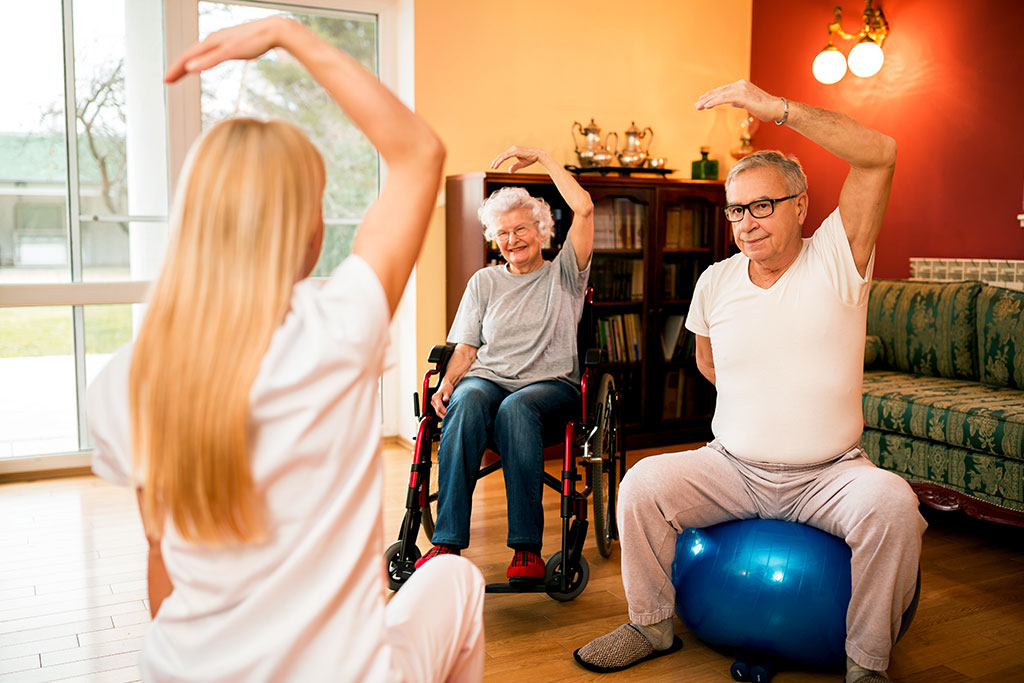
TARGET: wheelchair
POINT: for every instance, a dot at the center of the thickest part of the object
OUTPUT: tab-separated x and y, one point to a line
594	443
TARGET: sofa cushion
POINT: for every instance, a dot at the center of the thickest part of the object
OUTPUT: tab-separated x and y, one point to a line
927	328
992	479
955	412
874	352
1001	337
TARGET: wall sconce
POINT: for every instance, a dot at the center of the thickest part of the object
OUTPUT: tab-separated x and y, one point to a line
866	56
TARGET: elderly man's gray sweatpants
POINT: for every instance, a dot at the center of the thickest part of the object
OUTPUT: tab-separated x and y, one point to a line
873	509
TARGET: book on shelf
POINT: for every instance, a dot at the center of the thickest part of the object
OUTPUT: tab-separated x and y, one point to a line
618	224
638	224
679	228
672	228
617	279
636	335
685	228
686	348
636	289
604	228
672	397
620	337
671	332
623	223
680	279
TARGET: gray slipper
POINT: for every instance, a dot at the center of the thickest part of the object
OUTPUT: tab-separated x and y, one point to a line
858	674
620	649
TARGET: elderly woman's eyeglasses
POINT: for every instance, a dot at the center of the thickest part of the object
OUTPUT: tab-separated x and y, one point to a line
519	232
761	208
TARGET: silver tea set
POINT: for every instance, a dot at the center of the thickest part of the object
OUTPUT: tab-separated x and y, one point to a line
595	152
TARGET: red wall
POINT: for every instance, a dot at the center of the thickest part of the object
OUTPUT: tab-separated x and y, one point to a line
951	92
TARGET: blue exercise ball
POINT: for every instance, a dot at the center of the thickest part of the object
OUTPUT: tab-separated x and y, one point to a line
765	586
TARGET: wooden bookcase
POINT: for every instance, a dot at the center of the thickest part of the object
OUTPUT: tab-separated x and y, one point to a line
653	238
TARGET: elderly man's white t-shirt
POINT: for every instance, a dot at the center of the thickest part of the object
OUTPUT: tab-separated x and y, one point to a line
308	604
789	360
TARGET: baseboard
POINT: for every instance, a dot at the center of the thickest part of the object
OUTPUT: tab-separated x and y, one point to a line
399	441
9	477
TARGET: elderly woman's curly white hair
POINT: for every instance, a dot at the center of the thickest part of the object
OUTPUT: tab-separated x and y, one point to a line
509	199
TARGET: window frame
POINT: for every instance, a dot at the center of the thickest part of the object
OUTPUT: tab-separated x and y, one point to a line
183	127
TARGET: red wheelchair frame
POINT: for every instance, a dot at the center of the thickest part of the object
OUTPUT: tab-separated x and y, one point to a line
595	442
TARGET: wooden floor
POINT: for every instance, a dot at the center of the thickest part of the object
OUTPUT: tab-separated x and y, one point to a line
73	602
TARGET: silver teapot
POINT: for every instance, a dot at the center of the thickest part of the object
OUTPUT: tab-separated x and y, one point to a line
594	152
634	151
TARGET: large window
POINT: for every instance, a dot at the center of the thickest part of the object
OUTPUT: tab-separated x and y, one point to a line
277	86
83	205
90	142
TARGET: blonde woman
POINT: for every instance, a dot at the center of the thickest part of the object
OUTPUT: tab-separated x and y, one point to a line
246	412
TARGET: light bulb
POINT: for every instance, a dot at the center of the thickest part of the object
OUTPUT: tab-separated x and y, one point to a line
829	66
866	58
748	127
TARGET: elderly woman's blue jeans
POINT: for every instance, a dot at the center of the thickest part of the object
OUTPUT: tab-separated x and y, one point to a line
478	411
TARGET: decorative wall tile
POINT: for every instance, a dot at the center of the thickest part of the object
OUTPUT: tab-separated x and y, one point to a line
999	272
920	269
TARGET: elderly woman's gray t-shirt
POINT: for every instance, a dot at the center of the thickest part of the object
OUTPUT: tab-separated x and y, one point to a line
523	326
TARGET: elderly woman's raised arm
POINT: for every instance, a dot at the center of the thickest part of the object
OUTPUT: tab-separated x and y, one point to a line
581	232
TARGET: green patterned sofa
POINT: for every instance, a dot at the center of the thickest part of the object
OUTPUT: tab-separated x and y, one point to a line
944	393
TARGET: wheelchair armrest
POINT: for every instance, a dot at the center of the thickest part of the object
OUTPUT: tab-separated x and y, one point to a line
593	357
440	353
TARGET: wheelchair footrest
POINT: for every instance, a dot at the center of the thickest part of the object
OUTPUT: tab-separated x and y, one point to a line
539	587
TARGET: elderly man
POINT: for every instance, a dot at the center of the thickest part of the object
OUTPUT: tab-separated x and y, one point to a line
780	333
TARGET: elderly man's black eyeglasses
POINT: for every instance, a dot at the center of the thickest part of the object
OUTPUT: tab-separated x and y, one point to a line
760	208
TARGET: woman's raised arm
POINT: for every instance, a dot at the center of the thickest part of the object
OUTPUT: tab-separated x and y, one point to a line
581	232
396	223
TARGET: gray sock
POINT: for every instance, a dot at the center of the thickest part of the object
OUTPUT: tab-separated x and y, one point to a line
660	634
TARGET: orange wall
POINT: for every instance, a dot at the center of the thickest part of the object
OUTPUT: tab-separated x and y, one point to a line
490	74
951	92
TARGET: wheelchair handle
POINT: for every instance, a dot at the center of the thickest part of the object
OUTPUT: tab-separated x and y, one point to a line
427	393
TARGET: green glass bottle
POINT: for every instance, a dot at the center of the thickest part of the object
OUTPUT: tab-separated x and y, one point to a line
704	168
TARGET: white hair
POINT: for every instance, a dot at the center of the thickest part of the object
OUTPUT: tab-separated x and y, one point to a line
509	199
788	166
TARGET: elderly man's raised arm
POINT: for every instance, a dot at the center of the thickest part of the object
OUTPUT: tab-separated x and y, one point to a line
871	155
581	232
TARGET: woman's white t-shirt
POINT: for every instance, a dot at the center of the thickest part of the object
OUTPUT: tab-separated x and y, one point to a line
308	604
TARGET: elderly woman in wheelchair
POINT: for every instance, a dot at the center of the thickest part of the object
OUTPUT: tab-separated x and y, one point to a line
514	373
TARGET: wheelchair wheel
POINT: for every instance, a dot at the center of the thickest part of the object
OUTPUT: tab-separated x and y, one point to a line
399	569
429	511
578	578
604	475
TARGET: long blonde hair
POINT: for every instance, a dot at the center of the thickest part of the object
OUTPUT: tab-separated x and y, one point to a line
247	207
